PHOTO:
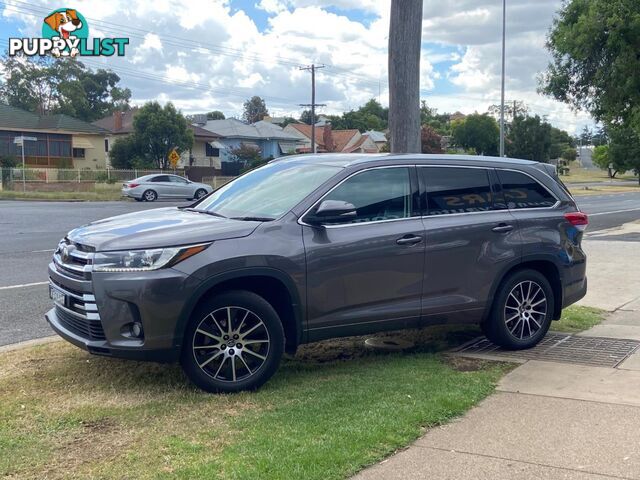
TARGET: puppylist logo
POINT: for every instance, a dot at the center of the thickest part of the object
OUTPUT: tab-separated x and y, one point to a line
65	33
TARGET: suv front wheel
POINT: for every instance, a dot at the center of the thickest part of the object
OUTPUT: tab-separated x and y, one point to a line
233	342
522	309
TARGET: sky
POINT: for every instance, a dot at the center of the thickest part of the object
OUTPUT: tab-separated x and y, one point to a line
206	55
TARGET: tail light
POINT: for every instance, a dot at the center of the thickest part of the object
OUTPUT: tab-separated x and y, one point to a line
132	185
577	219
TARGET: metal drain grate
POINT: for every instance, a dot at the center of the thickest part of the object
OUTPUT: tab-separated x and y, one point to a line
557	347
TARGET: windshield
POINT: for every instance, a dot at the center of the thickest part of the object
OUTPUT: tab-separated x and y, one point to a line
269	191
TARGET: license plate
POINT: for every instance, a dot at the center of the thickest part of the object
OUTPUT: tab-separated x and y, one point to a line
56	295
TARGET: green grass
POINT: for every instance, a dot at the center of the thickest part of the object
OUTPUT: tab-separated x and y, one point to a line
100	193
65	414
579	174
577	318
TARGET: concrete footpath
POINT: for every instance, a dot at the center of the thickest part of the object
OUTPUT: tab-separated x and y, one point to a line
550	420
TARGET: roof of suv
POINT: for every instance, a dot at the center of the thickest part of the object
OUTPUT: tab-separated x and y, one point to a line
350	159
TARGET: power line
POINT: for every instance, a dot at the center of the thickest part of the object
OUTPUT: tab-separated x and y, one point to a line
181	42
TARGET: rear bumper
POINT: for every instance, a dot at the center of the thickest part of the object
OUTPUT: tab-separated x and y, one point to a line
574	292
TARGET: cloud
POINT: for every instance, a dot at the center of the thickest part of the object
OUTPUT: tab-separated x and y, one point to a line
211	54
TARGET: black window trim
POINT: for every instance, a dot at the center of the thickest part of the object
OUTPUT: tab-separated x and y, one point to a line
423	191
415	199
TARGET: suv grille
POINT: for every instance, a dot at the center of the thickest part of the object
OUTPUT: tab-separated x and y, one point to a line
74	259
78	313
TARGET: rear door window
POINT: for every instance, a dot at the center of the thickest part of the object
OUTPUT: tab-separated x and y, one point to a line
456	190
522	191
160	178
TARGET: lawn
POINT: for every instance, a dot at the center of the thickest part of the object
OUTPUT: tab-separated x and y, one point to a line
100	192
579	174
333	409
577	318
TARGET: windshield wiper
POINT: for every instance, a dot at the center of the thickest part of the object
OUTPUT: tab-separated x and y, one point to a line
207	212
254	219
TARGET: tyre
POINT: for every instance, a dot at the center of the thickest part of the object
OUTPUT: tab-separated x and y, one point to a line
521	312
234	341
150	196
201	192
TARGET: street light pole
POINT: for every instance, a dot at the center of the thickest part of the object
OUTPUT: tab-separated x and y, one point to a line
504	28
24	172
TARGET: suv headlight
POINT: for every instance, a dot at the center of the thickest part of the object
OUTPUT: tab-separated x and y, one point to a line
143	260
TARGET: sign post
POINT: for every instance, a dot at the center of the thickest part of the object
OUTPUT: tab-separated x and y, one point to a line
20	141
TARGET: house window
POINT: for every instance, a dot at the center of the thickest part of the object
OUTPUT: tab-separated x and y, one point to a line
210	151
106	144
78	153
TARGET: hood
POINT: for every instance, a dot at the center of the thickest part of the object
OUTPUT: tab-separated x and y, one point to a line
162	227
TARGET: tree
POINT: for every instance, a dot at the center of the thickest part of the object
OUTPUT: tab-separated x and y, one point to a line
512	109
569	154
127	153
288	120
560	142
160	130
624	149
430	140
477	132
600	157
44	86
305	117
254	110
529	138
405	34
215	115
586	136
595	66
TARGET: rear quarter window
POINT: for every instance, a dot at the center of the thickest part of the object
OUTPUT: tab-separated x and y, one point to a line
522	191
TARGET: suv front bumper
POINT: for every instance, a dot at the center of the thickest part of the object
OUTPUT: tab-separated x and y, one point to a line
95	314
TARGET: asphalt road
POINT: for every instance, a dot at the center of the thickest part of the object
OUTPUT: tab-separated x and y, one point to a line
31	230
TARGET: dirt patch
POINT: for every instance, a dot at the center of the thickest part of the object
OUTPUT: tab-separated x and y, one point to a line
427	339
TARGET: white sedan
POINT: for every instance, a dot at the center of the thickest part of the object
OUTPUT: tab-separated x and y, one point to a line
161	186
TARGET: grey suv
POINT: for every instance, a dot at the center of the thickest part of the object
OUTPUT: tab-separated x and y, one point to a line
319	246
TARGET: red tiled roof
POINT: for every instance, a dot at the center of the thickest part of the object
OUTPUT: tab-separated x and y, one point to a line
340	137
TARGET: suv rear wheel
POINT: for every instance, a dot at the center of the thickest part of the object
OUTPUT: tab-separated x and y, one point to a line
521	313
233	342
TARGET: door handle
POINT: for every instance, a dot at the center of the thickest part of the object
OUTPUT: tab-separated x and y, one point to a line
409	240
502	228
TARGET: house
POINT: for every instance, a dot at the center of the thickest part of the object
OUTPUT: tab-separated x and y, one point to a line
269	139
62	141
204	153
329	140
379	138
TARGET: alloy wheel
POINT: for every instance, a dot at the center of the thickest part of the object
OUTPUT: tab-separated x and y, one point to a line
200	193
525	310
149	196
231	344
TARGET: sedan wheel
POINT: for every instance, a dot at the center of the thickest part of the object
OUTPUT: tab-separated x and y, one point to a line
234	342
150	196
201	192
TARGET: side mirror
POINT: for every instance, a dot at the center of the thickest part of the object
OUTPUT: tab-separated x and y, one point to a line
332	211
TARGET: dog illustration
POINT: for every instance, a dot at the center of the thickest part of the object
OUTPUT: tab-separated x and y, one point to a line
64	23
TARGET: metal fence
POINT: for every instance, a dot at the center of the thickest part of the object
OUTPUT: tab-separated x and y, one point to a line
36	179
68	175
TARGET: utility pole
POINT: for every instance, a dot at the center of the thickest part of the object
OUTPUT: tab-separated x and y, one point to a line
405	39
504	38
313	103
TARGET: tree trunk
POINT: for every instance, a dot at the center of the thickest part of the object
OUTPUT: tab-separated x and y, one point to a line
405	37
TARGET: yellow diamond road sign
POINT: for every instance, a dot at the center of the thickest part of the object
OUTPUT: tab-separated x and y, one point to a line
174	157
